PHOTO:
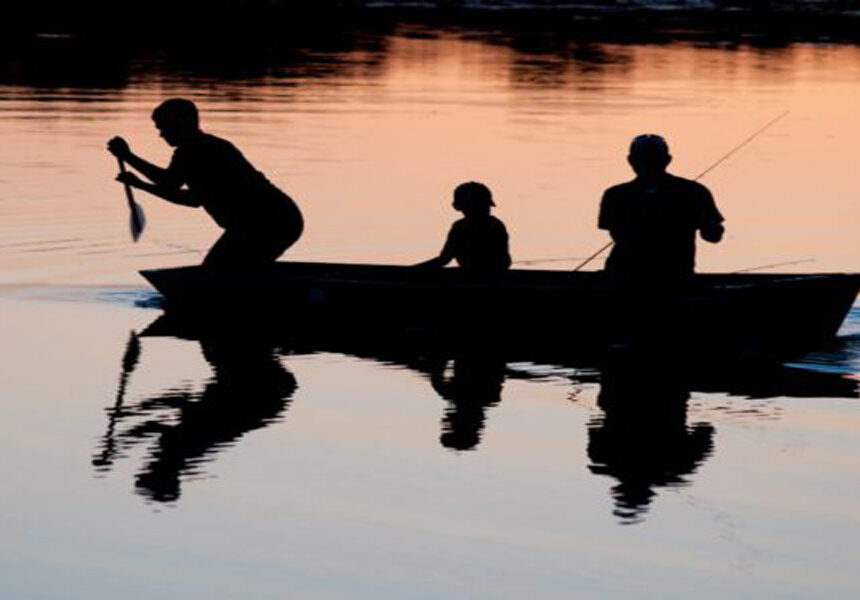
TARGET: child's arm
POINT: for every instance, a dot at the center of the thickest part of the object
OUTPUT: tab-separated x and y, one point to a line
445	256
435	263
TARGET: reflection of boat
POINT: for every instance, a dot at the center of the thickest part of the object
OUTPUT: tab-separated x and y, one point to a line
772	310
428	351
642	440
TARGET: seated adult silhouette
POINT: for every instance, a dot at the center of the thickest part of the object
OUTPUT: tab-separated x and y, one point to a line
654	218
478	241
260	221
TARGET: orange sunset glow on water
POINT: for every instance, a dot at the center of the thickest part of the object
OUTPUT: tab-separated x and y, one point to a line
373	153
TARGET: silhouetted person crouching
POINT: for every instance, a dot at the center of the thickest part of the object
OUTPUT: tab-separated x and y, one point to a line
478	241
260	222
654	218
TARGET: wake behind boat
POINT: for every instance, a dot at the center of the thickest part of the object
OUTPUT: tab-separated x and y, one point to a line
763	310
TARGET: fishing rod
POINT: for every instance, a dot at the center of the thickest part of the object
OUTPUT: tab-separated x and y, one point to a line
722	159
782	264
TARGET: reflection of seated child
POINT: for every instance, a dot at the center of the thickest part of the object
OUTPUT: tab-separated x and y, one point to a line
478	241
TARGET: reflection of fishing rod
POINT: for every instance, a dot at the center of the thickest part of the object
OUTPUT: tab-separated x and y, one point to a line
782	264
699	176
129	362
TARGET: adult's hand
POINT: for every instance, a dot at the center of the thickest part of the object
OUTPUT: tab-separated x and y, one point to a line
129	178
712	233
119	148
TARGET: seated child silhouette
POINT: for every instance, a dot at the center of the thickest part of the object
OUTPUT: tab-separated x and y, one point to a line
478	241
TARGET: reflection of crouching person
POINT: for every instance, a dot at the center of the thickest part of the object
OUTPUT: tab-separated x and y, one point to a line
478	241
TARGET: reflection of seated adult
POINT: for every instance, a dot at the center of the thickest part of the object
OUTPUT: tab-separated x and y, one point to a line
478	241
653	219
260	222
643	440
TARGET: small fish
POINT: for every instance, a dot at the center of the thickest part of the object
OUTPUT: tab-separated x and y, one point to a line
137	218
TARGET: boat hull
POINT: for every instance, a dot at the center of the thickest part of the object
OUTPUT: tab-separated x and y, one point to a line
789	310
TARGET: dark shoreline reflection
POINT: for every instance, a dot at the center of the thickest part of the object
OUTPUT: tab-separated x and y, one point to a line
250	389
297	47
642	439
243	20
104	64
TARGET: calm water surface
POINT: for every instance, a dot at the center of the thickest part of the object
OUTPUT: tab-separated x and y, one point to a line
240	468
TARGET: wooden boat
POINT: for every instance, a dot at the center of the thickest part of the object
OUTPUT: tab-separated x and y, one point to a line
775	310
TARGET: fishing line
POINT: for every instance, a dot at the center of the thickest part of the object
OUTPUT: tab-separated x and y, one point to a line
178	246
534	261
782	264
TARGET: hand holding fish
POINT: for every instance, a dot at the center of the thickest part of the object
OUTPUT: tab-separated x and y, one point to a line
119	148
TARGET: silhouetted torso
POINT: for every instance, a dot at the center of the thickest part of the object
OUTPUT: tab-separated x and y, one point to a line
479	243
229	188
654	225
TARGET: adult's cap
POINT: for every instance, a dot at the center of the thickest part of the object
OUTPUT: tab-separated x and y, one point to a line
649	144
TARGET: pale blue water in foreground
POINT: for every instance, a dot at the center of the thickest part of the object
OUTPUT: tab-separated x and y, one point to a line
340	488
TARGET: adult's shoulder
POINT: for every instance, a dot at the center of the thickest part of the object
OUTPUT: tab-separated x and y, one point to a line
689	186
206	143
699	199
215	142
619	190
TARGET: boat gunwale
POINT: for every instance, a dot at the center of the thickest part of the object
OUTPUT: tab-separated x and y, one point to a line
407	276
